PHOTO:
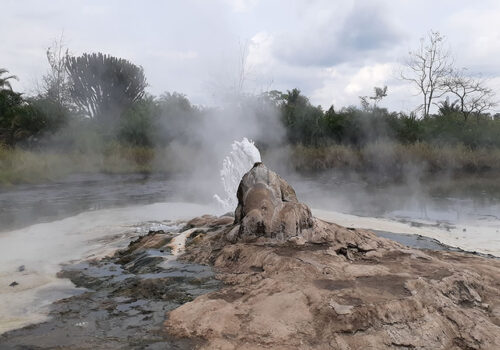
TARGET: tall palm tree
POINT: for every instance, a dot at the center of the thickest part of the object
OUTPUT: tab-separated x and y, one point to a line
4	81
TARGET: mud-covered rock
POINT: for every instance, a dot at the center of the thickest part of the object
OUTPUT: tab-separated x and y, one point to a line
268	206
295	282
311	297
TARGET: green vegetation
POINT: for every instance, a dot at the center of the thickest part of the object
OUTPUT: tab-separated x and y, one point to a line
19	166
92	115
311	126
395	159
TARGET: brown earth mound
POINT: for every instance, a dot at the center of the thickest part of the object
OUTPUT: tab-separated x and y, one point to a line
295	282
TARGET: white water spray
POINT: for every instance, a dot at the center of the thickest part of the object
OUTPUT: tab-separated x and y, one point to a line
243	156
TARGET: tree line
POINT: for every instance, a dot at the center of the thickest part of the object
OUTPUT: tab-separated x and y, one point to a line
94	99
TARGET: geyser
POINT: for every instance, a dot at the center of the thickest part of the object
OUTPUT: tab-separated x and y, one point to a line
268	206
243	156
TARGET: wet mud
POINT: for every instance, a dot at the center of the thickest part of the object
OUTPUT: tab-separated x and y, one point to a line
123	303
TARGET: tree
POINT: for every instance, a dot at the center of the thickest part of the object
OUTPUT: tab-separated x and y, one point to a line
447	108
178	117
55	83
473	96
23	120
103	86
427	68
10	101
4	81
301	119
380	93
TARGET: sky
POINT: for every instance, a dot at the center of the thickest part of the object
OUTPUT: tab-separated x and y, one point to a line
332	50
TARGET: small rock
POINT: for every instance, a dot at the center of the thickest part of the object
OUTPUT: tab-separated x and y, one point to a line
341	309
298	240
13	284
21	268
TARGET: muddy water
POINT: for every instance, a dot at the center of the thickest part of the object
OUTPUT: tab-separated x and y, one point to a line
25	205
31	257
122	304
469	206
443	199
440	200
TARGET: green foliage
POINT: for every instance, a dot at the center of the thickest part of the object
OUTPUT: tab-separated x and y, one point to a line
310	126
4	81
31	119
176	116
23	121
391	160
137	127
302	120
126	127
104	86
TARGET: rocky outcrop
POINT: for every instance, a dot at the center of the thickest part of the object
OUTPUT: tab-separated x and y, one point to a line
268	210
268	207
296	282
314	296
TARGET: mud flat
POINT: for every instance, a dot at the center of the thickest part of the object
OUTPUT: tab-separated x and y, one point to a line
122	301
31	257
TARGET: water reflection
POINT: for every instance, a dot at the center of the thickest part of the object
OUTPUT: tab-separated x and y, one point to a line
448	201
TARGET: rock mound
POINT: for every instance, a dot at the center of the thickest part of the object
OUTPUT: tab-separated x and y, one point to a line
268	210
268	207
295	282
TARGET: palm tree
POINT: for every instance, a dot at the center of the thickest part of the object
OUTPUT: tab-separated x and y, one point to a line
4	81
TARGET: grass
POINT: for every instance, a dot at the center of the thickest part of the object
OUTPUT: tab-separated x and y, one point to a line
19	166
391	160
395	157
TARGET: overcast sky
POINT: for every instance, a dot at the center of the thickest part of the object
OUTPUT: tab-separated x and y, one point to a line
334	51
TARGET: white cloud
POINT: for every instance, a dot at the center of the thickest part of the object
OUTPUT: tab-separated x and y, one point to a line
369	76
333	51
241	5
174	55
260	50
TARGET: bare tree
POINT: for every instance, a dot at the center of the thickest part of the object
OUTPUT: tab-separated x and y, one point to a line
473	96
427	68
242	67
55	83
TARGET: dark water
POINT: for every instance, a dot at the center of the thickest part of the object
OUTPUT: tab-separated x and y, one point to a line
24	205
442	200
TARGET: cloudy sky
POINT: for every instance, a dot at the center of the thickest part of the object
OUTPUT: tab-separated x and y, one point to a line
333	50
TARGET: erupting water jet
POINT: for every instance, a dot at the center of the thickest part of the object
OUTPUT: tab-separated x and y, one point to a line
243	156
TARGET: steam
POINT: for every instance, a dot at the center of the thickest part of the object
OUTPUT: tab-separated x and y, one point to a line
240	160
